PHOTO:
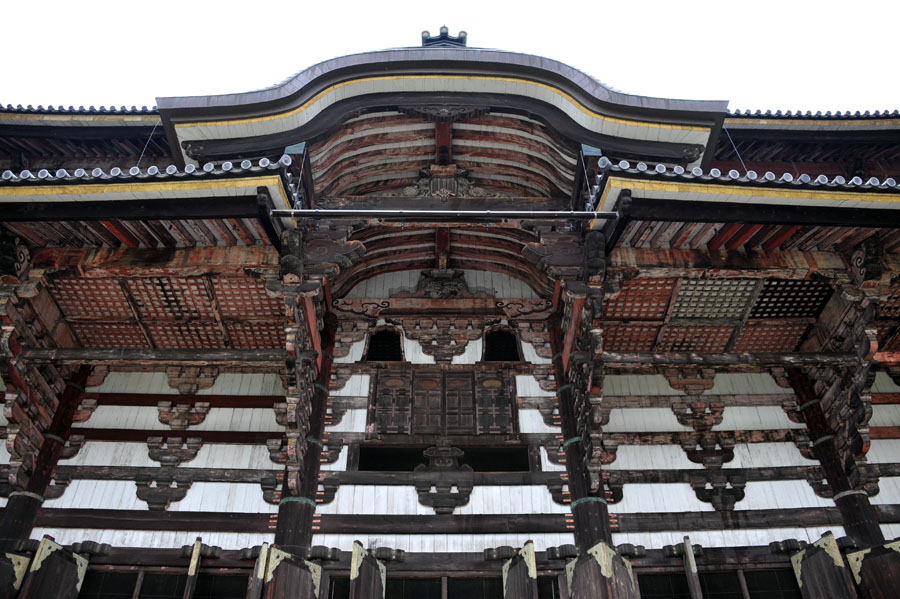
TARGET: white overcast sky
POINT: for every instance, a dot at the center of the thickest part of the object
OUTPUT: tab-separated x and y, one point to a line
789	54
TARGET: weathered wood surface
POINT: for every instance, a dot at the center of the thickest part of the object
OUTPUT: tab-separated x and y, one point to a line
12	573
290	577
876	570
520	575
760	359
257	579
821	572
260	358
55	573
367	575
447	524
599	573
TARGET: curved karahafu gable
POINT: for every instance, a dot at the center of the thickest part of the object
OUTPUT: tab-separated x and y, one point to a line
314	102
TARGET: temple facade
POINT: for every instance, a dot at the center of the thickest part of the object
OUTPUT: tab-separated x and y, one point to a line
444	322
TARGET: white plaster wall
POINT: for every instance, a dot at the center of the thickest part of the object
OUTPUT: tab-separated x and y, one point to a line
438	543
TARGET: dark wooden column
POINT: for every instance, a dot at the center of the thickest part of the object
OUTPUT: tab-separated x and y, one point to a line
55	573
22	507
520	575
877	570
367	575
293	532
589	511
821	572
600	573
859	517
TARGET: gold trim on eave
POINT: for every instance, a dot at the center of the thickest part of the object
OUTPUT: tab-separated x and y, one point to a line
144	187
336	86
735	190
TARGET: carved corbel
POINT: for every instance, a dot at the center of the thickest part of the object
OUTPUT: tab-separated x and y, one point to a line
271	488
172	451
181	416
97	376
691	381
57	486
190	379
537	333
442	338
327	252
700	415
291	260
85	410
443	464
327	490
710	449
545	377
559	490
719	490
162	490
339	377
613	485
348	333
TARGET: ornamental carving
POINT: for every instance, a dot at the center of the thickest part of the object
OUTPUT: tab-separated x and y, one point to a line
699	415
172	451
722	491
191	379
442	337
161	490
444	473
182	415
710	449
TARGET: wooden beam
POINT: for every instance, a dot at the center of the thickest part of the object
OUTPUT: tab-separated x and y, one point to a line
759	359
262	358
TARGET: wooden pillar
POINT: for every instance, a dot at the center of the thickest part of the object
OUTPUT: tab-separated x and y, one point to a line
600	573
690	570
290	577
21	509
520	575
367	575
12	573
55	573
589	512
877	570
858	515
293	531
821	573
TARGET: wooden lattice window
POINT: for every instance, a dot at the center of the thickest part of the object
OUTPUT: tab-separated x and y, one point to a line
429	401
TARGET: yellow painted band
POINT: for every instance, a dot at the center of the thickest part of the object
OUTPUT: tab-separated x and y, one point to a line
125	118
734	190
336	86
815	122
141	187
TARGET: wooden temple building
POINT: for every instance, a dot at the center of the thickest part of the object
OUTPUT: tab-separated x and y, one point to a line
444	322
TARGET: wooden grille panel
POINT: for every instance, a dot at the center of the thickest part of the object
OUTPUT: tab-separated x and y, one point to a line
255	335
243	297
702	298
630	337
640	299
90	298
701	338
171	297
770	337
186	335
783	298
117	334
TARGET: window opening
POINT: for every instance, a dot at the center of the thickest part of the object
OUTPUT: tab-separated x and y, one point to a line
385	345
501	345
772	584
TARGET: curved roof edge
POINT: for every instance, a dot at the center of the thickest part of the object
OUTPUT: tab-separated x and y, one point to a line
441	61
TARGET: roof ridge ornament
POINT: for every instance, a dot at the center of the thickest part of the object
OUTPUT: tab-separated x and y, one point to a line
444	40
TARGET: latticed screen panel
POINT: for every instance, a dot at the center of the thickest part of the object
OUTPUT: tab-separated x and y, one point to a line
640	299
701	338
90	298
186	335
171	297
241	297
770	337
255	335
629	338
701	298
889	303
781	298
117	334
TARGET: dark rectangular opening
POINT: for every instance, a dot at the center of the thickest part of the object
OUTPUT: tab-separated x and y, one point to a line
413	588
388	459
496	459
480	459
474	588
99	584
772	584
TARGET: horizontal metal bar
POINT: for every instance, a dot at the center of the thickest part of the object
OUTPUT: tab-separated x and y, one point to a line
445	214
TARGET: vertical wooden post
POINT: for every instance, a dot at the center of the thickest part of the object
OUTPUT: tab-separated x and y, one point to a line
520	574
258	575
859	517
600	573
877	570
820	571
690	570
293	531
193	570
22	507
55	573
367	575
290	577
12	573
